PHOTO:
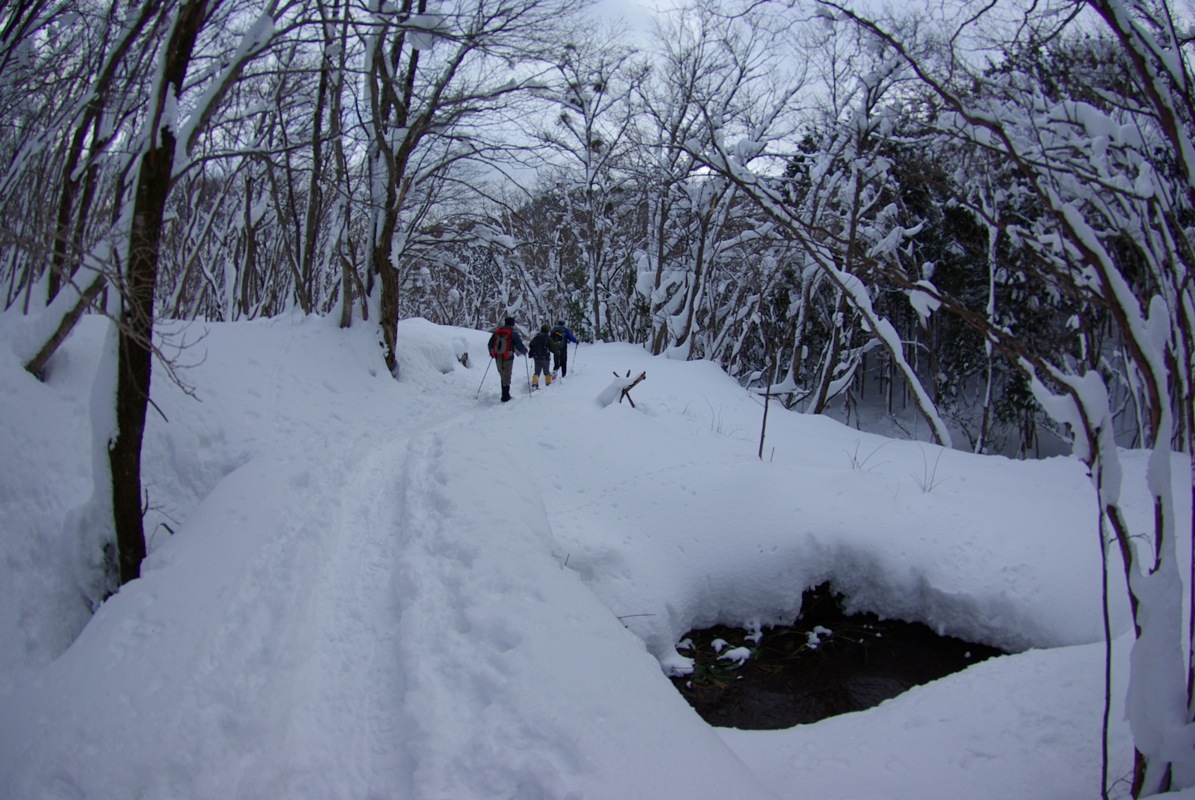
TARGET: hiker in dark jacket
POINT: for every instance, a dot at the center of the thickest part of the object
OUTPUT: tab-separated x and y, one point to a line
561	336
504	343
542	348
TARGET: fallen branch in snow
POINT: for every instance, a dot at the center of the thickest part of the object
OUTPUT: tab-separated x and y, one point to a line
620	388
626	390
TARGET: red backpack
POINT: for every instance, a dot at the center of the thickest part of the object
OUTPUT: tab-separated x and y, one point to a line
500	346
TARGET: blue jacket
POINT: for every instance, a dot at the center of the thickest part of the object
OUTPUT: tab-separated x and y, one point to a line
565	334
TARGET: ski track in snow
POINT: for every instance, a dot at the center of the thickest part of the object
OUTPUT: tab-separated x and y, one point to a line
347	693
458	642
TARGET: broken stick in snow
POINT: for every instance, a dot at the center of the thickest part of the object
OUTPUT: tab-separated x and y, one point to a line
626	390
619	389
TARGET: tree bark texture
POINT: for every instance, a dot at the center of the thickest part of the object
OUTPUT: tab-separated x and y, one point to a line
135	357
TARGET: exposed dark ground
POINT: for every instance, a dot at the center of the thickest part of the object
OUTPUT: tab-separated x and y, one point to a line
787	682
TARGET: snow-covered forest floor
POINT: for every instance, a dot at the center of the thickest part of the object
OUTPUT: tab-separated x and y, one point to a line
363	588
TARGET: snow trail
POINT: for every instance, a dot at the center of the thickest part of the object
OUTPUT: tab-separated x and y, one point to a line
505	648
347	740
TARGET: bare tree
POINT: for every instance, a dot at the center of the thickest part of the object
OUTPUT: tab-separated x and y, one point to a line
164	126
70	86
135	353
843	218
586	132
709	74
1109	234
431	76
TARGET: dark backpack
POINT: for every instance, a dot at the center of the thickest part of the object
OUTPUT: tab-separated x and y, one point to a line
500	346
558	337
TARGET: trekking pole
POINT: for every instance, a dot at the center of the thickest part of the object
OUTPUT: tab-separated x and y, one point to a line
527	367
487	372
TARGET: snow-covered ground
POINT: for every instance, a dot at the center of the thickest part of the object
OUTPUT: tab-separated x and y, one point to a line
362	588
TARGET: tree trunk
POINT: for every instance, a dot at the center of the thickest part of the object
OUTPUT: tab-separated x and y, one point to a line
389	314
135	358
307	292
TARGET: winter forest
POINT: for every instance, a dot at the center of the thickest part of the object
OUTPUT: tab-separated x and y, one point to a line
979	213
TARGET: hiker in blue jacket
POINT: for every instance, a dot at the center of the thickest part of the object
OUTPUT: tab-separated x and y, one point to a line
504	343
561	336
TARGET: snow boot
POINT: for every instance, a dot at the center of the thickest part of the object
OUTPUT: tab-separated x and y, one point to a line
505	393
548	379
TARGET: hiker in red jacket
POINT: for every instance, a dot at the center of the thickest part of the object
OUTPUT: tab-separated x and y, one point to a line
504	343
